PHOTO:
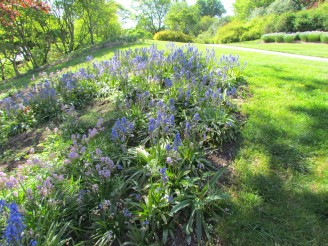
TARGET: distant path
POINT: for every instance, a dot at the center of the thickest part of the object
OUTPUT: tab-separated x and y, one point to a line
310	58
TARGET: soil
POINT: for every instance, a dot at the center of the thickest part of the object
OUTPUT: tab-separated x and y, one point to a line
18	147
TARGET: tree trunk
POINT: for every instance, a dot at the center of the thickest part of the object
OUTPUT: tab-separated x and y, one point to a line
91	31
3	77
15	68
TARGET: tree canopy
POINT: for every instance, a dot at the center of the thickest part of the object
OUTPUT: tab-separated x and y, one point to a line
151	14
211	8
10	9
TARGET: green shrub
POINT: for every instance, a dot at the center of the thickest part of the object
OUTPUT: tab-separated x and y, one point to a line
205	38
140	34
314	36
310	36
251	35
173	36
231	32
270	24
279	37
254	29
285	23
268	38
312	20
324	37
290	38
303	22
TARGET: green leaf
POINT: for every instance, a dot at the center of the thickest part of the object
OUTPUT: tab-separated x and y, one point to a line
216	197
199	226
164	219
180	206
216	177
189	228
165	235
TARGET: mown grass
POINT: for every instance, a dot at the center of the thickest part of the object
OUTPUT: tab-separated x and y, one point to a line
279	187
309	49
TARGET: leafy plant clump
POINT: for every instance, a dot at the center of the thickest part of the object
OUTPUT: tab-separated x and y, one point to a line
144	178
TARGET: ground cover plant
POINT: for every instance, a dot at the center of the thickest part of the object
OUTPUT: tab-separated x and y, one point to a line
141	177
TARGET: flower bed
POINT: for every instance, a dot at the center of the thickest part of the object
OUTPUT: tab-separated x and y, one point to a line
145	178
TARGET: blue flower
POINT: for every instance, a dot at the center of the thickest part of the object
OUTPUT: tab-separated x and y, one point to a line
146	222
177	141
168	82
169	198
126	213
33	243
89	58
114	134
152	125
13	233
196	117
162	171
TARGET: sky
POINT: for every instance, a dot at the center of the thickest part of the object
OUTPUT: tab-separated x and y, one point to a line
227	5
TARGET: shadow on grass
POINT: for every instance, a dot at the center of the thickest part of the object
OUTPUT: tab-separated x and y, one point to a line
317	134
269	213
310	84
74	60
279	145
275	207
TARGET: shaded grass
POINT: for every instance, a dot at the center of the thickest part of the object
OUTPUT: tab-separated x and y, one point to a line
309	49
280	185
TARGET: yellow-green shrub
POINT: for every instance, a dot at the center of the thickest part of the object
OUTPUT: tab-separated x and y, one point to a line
173	36
231	32
254	29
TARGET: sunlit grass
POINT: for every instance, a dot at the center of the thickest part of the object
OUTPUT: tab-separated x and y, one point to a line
309	49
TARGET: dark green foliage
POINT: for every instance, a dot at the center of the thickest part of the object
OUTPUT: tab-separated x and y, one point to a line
285	23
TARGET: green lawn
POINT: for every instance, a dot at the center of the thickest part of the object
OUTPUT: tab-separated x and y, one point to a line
309	49
279	186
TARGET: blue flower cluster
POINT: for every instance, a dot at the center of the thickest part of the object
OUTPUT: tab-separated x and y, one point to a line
13	233
121	130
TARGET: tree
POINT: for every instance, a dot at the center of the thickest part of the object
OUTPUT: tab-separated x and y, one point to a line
65	13
152	13
24	24
205	22
10	9
184	18
244	8
211	8
307	3
282	6
97	15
